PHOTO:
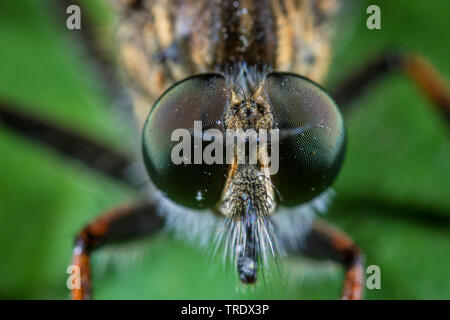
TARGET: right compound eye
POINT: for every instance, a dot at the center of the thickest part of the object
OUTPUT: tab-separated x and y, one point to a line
313	146
174	171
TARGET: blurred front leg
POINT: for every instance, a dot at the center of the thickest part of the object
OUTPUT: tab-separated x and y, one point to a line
114	226
327	242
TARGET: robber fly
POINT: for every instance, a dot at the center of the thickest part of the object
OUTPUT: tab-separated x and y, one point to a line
232	65
249	65
240	65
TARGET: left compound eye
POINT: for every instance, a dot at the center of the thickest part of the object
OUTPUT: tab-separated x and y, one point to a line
180	173
312	137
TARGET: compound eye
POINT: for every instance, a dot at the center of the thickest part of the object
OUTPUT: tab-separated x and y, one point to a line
178	171
312	137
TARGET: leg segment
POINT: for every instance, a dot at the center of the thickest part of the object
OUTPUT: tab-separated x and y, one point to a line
416	67
327	242
117	225
94	155
73	145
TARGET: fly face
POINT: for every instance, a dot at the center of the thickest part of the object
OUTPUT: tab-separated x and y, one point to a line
306	148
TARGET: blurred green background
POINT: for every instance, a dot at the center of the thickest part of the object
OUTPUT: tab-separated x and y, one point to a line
393	191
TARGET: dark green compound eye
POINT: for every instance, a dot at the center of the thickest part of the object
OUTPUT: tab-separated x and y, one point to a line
312	137
199	98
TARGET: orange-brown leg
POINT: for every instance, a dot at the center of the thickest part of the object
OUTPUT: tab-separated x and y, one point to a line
422	73
327	242
114	226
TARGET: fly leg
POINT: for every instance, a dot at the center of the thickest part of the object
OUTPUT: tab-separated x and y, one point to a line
115	226
110	162
416	67
326	242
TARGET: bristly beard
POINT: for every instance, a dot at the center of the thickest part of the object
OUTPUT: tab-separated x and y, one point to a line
287	228
247	234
